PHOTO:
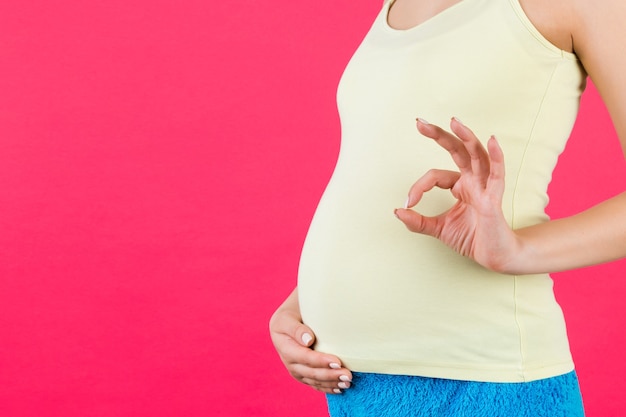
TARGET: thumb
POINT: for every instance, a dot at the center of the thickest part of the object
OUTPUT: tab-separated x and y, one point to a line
416	222
304	335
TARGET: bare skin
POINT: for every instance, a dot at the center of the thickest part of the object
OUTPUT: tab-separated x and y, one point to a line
475	226
293	341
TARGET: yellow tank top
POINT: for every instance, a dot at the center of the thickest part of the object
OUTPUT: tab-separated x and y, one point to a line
390	301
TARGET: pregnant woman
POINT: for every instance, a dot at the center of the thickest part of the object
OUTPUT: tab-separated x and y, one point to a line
465	106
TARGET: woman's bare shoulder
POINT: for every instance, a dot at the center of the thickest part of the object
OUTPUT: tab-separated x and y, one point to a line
569	23
555	20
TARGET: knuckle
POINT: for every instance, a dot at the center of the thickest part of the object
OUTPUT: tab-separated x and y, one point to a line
431	173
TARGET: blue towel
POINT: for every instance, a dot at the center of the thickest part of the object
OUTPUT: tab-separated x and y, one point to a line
380	395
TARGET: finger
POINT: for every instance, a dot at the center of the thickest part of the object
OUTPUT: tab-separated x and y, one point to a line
314	368
433	178
335	386
495	185
479	158
418	223
326	379
322	376
449	142
293	353
327	387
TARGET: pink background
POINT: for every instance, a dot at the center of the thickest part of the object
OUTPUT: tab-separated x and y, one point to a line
159	164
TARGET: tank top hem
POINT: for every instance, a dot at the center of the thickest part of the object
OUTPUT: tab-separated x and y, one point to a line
504	373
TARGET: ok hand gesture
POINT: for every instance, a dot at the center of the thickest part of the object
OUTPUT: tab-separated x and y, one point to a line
475	225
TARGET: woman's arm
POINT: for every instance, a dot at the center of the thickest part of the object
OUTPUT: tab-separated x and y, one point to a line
599	234
594	236
475	226
293	340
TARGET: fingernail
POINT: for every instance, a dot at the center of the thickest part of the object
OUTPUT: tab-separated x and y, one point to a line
395	213
422	121
345	378
342	385
457	120
334	365
337	391
306	338
406	203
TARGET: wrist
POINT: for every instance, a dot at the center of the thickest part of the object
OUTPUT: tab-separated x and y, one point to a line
514	258
523	258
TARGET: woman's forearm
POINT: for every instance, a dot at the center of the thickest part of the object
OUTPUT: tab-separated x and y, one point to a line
594	236
290	305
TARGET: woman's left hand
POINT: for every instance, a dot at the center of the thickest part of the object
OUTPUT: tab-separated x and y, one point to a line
475	225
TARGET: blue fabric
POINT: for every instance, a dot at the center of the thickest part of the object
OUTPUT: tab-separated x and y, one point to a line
378	395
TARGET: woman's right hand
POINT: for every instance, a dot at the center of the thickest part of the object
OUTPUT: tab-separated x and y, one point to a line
293	341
